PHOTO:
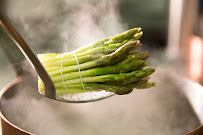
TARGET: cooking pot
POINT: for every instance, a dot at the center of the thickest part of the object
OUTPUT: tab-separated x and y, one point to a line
173	107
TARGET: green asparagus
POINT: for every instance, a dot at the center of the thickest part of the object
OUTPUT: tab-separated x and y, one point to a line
110	64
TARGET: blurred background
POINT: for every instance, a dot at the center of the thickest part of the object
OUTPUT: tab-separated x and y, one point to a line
173	29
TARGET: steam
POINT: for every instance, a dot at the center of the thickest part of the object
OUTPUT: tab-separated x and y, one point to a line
160	110
62	26
89	21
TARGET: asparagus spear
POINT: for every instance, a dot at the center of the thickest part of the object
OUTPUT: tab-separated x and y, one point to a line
137	36
144	85
126	35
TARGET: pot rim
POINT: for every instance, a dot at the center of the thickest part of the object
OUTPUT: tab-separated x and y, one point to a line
3	90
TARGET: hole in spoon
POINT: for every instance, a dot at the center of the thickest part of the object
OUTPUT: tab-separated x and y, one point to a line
85	97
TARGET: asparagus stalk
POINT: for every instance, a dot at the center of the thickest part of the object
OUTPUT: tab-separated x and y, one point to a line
139	76
144	85
137	36
126	35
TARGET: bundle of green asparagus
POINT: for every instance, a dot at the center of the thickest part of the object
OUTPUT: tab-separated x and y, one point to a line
111	64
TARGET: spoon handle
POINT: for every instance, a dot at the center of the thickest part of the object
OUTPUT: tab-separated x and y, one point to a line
31	57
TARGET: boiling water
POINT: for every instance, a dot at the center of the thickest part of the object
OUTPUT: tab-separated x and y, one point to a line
160	110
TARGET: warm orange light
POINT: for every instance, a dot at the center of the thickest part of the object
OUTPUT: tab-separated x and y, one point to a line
195	58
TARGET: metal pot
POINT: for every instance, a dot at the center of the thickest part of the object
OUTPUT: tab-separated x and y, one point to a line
173	107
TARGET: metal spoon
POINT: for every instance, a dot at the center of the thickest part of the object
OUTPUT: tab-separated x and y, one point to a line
50	91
